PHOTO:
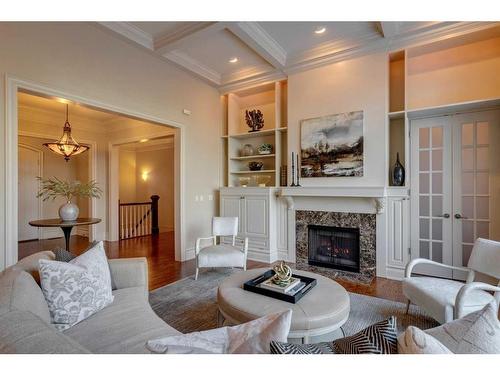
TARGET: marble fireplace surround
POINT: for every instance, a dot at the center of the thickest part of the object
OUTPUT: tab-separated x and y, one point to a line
337	206
367	241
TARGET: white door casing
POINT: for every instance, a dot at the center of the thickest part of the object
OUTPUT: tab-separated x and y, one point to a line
29	206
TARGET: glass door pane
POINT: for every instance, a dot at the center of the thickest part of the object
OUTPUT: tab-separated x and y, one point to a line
475	185
431	192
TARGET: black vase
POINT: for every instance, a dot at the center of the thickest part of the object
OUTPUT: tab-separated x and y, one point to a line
398	173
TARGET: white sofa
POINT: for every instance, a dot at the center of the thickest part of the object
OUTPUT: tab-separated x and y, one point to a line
122	327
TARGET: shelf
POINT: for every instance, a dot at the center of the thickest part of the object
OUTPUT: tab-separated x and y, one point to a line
253	157
396	115
253	134
251	172
282	129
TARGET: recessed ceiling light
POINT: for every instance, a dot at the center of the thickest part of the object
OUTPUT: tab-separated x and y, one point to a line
143	140
320	30
233	60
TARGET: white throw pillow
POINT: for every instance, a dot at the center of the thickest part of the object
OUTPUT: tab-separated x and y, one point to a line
415	341
475	333
77	289
249	338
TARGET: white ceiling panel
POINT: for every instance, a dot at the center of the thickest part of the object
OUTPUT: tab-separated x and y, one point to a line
157	28
216	49
300	36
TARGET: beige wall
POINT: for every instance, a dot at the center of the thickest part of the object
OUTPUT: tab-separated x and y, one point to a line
353	85
83	60
459	74
127	165
159	166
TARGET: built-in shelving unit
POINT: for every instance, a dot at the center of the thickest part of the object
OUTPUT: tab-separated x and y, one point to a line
396	117
270	99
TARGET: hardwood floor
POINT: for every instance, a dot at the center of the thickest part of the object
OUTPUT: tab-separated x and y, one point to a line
163	269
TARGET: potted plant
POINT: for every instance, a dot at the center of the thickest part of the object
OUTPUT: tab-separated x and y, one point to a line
52	188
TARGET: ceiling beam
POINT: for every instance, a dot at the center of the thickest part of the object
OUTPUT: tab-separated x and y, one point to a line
171	40
130	32
388	29
255	37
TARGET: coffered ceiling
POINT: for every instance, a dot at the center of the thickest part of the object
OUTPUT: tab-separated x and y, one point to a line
234	55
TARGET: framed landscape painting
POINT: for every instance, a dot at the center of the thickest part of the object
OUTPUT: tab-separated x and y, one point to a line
332	146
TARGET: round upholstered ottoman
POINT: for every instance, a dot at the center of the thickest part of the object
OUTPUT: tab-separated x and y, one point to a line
321	311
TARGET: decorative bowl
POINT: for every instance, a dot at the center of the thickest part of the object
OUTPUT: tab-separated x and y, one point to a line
265	149
244	181
255	165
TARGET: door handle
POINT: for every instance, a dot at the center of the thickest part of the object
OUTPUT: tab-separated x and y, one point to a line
446	216
459	216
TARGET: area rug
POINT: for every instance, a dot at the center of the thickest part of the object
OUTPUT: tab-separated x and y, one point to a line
189	305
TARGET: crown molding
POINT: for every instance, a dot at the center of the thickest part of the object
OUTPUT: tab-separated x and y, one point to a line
262	79
186	62
131	32
246	74
255	37
170	40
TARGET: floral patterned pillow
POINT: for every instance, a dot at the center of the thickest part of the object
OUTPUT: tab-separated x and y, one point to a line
76	290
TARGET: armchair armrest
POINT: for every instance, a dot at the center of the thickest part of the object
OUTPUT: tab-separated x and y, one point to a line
414	262
198	247
129	272
460	299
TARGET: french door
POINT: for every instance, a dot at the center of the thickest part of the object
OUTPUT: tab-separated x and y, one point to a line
455	187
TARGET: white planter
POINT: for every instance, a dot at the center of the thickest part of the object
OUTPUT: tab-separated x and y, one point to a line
69	212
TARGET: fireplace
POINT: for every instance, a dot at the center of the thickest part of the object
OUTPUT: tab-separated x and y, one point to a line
333	247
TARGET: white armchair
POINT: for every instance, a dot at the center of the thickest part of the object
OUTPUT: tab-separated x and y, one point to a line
446	300
221	255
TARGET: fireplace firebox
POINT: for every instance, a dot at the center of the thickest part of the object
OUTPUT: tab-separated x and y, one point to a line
333	247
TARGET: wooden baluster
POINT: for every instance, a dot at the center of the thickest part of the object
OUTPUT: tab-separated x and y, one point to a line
154	212
127	219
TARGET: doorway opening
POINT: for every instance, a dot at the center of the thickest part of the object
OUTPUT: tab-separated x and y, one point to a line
40	120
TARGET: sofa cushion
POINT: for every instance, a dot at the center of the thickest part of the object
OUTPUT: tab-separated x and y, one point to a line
77	289
476	333
22	332
415	341
253	337
122	327
30	263
437	296
379	338
18	290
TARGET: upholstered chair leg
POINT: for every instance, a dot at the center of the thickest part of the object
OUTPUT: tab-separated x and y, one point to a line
407	306
196	275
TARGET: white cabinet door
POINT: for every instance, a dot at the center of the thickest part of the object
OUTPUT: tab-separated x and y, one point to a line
256	209
398	237
231	205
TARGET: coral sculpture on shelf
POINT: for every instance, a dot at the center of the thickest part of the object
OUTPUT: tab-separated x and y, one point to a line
283	274
254	120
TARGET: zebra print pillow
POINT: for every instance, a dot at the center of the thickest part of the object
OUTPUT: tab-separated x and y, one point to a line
379	338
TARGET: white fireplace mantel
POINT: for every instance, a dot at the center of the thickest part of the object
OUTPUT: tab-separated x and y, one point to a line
376	193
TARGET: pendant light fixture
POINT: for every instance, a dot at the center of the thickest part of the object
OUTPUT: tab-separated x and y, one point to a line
67	146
